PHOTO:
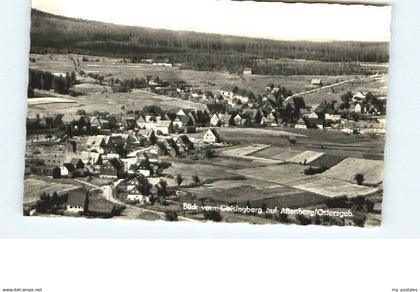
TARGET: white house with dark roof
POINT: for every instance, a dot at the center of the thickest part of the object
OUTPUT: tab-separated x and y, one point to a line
211	136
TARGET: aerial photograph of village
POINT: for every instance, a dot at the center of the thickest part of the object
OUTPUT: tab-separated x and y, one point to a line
134	122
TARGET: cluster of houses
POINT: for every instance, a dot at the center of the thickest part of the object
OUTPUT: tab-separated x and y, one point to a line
359	117
112	154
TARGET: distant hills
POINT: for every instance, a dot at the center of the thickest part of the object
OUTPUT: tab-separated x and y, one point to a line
200	51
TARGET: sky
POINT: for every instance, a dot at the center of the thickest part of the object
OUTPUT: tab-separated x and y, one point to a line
271	20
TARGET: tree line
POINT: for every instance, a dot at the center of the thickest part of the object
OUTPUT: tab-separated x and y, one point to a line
45	80
198	51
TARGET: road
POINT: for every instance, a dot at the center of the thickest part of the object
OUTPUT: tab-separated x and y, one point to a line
319	89
131	211
326	87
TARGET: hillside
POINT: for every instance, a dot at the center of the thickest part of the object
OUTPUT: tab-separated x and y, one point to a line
199	51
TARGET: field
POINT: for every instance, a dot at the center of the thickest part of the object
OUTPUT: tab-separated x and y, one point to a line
377	85
348	168
49	100
34	188
332	143
291	175
111	102
261	167
305	157
206	80
334	188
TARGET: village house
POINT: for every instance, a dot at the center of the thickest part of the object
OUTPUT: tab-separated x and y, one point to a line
269	121
226	120
308	114
135	141
158	149
314	123
183	121
243	99
141	122
184	144
300	124
95	123
215	121
129	164
96	144
359	97
227	92
248	71
152	154
110	168
149	134
76	201
163	127
136	196
358	108
211	136
182	112
237	119
170	146
60	172
90	158
73	164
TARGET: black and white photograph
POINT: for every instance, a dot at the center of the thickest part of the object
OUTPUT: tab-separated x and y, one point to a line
228	111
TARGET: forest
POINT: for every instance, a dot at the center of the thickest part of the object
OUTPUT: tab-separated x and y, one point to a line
198	51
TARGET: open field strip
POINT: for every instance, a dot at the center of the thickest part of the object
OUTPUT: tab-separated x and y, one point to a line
47	100
247	150
334	188
262	131
291	175
348	168
305	157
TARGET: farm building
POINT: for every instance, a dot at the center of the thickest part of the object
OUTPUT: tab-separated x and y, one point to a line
316	82
248	71
211	136
76	201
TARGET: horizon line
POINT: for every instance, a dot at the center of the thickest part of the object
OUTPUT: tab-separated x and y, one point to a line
219	34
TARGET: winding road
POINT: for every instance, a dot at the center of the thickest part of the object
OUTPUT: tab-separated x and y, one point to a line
131	211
